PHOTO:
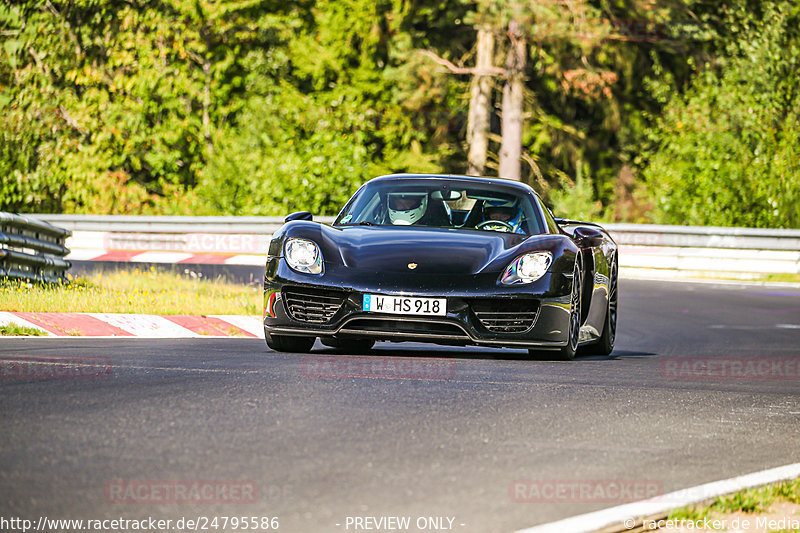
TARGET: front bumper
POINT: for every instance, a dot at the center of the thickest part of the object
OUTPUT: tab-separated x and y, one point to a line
470	300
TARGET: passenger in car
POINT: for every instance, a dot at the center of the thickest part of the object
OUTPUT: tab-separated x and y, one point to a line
413	208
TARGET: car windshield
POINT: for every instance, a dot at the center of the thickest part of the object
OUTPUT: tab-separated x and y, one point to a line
472	206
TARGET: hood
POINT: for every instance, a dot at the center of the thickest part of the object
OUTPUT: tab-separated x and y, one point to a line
434	250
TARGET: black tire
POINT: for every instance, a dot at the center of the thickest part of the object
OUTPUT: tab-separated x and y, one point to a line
568	352
605	345
291	344
350	346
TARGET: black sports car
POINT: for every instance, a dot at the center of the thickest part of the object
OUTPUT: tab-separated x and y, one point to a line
444	259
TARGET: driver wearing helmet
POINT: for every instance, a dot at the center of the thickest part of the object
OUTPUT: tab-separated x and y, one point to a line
506	215
407	208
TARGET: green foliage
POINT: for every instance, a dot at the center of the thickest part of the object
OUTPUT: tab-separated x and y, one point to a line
197	106
576	200
112	106
344	108
268	164
729	149
264	107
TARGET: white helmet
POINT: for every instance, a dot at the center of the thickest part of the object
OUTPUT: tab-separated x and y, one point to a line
406	208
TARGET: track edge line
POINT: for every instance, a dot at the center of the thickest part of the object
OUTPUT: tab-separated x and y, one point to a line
613	519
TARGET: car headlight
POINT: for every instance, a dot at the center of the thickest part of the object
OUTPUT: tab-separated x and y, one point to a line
527	268
303	255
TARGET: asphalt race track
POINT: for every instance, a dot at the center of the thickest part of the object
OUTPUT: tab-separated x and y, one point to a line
429	432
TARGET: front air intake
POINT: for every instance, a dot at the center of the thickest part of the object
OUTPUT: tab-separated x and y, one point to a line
505	316
316	306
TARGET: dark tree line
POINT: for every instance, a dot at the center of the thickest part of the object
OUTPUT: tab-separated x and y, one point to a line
675	111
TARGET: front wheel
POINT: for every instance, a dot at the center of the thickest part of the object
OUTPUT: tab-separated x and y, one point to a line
567	353
605	345
291	344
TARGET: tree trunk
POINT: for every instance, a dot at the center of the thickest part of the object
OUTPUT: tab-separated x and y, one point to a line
511	144
480	104
207	105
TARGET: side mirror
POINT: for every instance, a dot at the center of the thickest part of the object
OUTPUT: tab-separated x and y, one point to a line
586	237
300	215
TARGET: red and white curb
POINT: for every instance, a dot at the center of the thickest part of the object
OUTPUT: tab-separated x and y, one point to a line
135	325
136	256
630	516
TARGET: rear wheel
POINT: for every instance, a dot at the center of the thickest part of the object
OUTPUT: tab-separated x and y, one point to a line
290	343
605	345
567	353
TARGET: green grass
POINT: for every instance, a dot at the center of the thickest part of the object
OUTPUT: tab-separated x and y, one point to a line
746	501
755	500
733	276
692	513
788	491
783	278
148	292
13	330
795	278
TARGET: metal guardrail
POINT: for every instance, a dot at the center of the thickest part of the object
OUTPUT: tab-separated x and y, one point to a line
635	234
169	224
632	234
32	249
706	237
656	249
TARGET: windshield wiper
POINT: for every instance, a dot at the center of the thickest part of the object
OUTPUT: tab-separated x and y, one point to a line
366	223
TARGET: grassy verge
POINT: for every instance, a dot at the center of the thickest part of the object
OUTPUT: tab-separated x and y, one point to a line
13	330
136	291
795	278
721	276
782	278
756	500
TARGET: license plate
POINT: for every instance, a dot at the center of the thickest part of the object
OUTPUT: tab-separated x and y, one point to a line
405	305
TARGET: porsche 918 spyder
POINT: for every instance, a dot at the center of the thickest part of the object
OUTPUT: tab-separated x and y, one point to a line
444	259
